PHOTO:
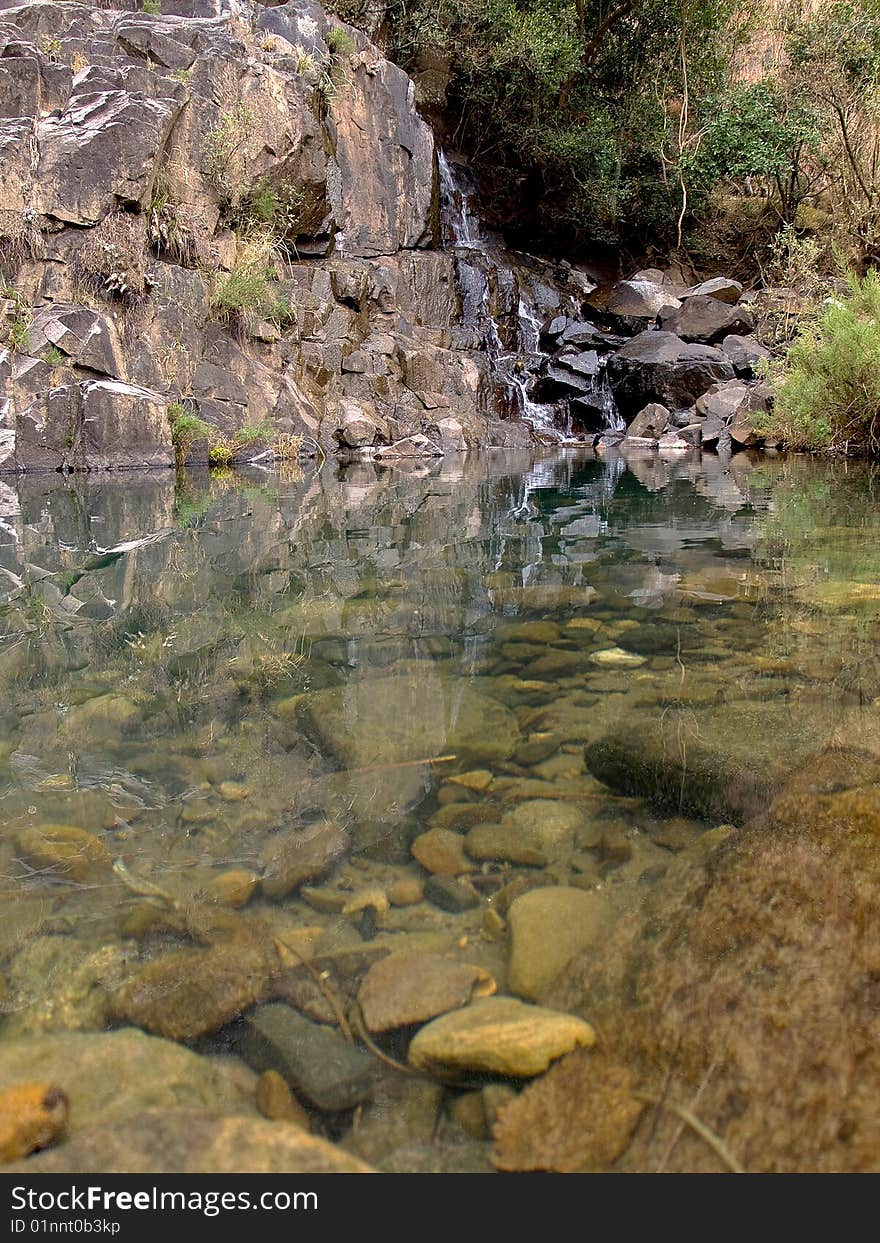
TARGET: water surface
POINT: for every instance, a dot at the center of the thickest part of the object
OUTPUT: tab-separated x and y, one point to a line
191	669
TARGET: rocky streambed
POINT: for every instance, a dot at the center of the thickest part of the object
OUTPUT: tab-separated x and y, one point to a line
487	815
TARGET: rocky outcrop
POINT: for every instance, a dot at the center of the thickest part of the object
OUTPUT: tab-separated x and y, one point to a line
227	214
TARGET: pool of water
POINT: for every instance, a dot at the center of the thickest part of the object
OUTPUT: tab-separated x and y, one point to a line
268	720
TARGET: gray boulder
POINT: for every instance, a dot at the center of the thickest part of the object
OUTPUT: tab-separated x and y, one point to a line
639	299
651	422
88	338
744	352
720	287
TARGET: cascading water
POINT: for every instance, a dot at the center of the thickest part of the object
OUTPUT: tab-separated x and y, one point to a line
507	325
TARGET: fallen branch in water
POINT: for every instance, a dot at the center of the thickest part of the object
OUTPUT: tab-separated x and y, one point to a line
383	768
360	1028
326	990
705	1133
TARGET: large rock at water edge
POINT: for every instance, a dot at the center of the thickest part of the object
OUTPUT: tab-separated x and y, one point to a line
660	367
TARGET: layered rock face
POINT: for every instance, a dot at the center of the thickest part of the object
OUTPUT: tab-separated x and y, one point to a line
226	212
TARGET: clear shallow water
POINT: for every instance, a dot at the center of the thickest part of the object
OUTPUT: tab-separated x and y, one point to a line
192	671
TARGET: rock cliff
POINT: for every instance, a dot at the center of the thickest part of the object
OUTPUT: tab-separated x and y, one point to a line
219	232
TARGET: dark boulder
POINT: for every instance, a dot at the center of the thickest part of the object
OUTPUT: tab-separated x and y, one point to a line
660	367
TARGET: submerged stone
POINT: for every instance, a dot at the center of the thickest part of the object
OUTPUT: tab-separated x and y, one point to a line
195	1142
617	658
329	1071
499	1035
412	988
73	853
111	1076
293	857
548	927
32	1116
398	719
188	993
441	852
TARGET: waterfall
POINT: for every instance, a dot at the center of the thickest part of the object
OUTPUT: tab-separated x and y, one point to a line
511	339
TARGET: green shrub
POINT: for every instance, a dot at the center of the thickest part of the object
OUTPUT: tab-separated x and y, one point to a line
55	357
828	384
187	428
339	42
151	6
19	331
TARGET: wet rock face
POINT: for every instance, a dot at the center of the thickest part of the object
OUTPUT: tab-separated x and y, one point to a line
134	147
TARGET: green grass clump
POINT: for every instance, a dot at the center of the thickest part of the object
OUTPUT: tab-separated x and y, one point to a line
827	386
187	428
247	287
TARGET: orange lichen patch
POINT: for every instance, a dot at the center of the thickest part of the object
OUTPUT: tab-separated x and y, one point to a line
32	1116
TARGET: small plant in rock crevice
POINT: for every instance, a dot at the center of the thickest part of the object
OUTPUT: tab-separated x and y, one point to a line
112	261
187	428
18	333
247	290
19	235
167	228
339	42
225	144
54	357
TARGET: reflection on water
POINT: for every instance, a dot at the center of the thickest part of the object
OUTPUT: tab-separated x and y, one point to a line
196	676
